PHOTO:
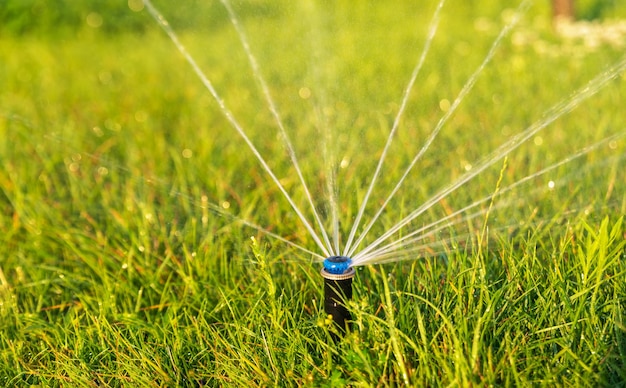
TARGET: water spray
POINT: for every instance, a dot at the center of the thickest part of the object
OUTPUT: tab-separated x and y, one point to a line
338	275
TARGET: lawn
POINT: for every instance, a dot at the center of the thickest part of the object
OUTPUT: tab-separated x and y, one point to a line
143	244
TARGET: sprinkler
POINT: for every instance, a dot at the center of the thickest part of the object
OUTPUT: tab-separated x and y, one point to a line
338	276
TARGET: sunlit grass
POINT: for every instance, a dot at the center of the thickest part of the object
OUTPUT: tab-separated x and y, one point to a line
117	269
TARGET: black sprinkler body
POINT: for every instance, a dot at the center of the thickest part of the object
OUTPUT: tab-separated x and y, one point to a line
338	276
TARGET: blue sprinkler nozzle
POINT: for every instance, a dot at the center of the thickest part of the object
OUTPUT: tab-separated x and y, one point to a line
337	265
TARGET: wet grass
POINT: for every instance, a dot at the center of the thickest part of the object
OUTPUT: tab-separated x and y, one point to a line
120	264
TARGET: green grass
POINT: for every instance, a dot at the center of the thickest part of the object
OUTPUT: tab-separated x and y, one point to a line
116	269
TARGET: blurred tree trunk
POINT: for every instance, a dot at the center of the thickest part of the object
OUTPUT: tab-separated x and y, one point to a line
563	9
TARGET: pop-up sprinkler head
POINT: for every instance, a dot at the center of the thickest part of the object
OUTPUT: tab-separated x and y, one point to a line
338	276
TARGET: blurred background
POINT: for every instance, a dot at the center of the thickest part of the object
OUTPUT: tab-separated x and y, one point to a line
68	16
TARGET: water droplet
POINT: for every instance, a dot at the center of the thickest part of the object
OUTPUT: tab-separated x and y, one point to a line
94	20
226	204
304	93
345	162
141	248
444	105
141	116
135	5
551	185
112	125
508	15
125	265
483	24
